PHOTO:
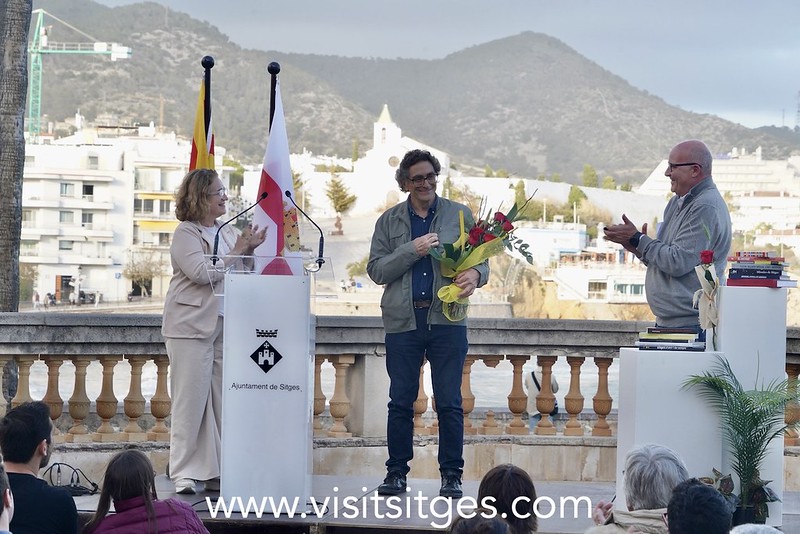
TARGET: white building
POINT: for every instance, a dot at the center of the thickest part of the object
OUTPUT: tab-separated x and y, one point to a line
93	202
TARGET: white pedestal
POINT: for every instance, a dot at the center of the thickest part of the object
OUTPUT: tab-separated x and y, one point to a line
268	389
653	408
752	335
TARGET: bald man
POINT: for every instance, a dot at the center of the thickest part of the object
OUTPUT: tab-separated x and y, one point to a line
696	218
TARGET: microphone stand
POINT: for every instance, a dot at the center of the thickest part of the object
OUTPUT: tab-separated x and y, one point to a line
320	260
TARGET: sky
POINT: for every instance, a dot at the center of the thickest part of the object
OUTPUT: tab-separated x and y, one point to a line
737	59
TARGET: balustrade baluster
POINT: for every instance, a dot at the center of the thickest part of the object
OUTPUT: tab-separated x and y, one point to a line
421	405
319	395
790	437
573	400
160	403
134	402
79	402
23	395
602	400
490	426
517	400
52	397
467	397
340	404
106	403
545	400
3	401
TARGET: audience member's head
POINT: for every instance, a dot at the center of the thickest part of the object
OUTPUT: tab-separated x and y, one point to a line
483	522
651	473
509	490
697	508
751	528
129	474
25	433
6	500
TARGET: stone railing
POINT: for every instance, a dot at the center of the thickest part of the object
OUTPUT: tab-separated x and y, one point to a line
352	345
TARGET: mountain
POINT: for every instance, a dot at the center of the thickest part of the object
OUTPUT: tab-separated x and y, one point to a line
526	103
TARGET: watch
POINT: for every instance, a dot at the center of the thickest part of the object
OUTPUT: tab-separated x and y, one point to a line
634	240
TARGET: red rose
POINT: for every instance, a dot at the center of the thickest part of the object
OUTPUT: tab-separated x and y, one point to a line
500	217
475	235
488	237
706	256
507	226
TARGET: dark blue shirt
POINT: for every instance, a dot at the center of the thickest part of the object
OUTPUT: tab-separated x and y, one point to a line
422	272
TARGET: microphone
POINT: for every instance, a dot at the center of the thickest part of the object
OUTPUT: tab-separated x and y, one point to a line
320	259
214	256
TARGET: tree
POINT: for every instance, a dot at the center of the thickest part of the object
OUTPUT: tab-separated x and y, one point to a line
355	154
358	268
501	173
589	176
15	20
576	196
487	171
341	200
626	187
237	174
609	183
142	267
28	274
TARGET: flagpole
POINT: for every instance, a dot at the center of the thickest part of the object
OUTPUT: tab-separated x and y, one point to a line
273	68
208	63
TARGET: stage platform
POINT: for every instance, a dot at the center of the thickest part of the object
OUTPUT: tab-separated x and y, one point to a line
353	506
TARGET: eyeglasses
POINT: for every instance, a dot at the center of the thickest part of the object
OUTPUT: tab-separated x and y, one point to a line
671	166
418	179
222	191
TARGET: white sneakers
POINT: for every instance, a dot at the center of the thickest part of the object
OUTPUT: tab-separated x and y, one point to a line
185	486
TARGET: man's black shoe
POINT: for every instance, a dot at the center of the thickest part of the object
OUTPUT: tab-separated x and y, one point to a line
451	487
393	484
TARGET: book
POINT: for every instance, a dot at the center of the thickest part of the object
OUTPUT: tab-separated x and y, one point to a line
760	282
756	254
769	259
649	345
670	330
754	273
668	336
759	265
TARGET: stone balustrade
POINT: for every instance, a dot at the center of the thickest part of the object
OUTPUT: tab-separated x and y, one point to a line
352	345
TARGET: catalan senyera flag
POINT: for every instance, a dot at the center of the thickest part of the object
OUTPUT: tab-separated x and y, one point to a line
203	138
276	212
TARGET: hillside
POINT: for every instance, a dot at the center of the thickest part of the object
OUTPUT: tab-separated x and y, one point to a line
527	103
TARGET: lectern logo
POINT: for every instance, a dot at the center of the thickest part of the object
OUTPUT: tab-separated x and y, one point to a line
266	356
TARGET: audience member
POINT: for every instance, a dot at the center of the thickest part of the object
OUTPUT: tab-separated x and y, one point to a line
697	508
25	440
651	473
130	483
6	501
483	522
509	490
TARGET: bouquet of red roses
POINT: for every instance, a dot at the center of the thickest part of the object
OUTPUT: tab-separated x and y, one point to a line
487	237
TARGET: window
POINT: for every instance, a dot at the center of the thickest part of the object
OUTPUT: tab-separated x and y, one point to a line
163	239
28	216
163	207
66	217
65	245
147	205
28	247
30	161
597	290
87	219
93	162
67	190
88	192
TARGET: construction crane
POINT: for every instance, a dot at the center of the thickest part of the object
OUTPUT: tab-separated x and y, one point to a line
40	44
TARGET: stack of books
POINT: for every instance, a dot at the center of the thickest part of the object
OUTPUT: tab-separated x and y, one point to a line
758	269
662	338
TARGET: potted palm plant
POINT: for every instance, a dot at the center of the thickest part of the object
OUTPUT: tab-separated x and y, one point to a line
750	420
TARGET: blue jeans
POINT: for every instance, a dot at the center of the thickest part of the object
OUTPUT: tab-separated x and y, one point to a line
445	347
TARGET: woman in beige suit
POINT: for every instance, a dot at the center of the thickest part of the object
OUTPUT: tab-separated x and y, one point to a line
192	327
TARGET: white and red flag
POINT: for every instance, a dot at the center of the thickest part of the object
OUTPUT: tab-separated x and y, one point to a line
203	138
281	249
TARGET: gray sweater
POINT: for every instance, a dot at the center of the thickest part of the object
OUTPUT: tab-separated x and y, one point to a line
700	222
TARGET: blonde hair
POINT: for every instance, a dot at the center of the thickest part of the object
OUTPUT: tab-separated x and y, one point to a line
191	199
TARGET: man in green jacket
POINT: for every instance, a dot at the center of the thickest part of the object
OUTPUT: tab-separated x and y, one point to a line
415	326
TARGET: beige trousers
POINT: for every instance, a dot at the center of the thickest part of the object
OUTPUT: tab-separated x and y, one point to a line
195	366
